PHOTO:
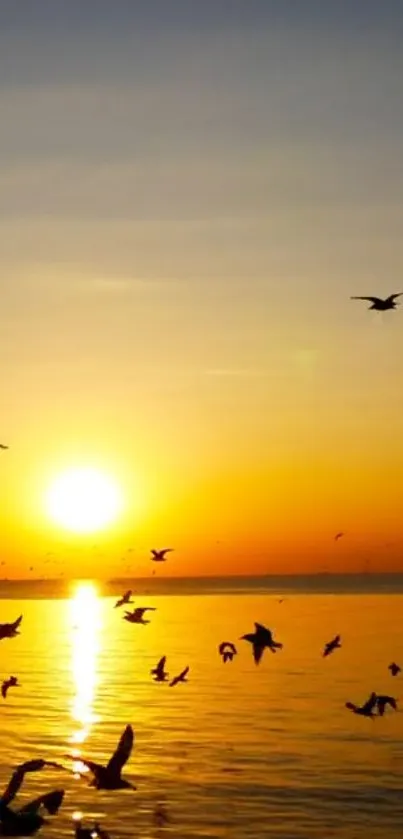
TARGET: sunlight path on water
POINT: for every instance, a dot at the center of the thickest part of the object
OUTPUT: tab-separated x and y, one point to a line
85	613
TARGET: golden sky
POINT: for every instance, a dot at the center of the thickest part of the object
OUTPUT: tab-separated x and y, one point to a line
187	202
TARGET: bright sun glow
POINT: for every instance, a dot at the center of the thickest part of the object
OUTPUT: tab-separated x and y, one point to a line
83	500
85	616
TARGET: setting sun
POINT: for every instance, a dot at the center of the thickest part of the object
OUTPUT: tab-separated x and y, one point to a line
83	500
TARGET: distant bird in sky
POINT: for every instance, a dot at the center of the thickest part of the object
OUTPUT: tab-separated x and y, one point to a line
379	304
159	671
10	630
338	536
110	776
2	446
12	682
125	599
366	710
26	821
137	615
180	678
260	639
383	701
332	645
227	650
159	556
394	668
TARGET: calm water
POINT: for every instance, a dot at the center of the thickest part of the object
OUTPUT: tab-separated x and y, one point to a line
239	751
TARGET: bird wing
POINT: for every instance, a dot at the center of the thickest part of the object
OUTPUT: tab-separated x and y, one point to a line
4	689
95	768
257	652
161	663
119	602
18	777
122	753
370	703
371	299
393	296
51	801
260	629
16	623
184	673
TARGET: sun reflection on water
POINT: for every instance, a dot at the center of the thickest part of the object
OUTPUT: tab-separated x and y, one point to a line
85	613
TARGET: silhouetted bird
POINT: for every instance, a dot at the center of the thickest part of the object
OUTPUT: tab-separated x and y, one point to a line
2	446
260	639
332	645
95	832
383	701
26	821
10	630
110	776
227	650
394	668
379	304
159	672
338	536
125	599
12	682
180	678
159	556
137	615
366	710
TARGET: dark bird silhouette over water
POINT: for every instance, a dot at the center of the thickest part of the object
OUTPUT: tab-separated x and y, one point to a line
227	650
12	682
110	776
394	668
26	821
159	672
180	678
260	639
159	556
137	615
338	536
2	446
332	645
125	599
366	710
10	630
379	304
383	701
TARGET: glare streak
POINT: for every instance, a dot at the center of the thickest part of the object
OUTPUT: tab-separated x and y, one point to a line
86	622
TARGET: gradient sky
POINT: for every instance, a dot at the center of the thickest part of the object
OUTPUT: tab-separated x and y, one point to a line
190	192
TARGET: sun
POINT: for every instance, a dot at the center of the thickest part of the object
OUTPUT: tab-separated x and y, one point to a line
83	500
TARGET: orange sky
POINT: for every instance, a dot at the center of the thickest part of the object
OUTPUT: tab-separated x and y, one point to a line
177	253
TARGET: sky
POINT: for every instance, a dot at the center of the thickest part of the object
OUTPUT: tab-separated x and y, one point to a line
189	195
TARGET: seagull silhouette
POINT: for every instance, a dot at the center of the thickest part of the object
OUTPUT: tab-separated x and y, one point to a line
125	599
379	304
334	644
180	678
159	556
338	536
110	776
26	821
227	650
137	615
159	672
2	446
366	710
260	639
10	630
394	668
383	701
12	682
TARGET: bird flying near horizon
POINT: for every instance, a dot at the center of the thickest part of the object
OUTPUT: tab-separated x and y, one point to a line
10	630
227	650
125	599
137	615
159	556
260	639
27	821
159	672
2	446
332	645
180	678
394	668
109	777
12	682
379	304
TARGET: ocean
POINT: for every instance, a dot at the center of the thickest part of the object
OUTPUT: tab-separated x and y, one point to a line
238	751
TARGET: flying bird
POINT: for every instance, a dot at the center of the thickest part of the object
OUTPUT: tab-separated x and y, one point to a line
260	639
180	678
227	650
338	536
379	304
125	599
26	821
334	644
2	446
383	701
159	672
159	556
10	630
136	616
12	682
394	668
110	776
366	710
